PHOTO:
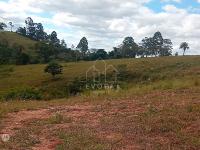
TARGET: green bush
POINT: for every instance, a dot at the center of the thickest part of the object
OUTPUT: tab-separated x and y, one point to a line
77	86
23	94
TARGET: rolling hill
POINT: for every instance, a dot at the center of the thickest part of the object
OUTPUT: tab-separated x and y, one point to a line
140	74
13	38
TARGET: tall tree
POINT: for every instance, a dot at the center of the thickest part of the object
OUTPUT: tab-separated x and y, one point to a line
157	43
184	46
63	43
54	39
2	26
166	49
40	35
83	45
30	27
147	47
129	47
11	26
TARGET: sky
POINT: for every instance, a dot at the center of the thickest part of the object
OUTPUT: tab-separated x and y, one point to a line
105	23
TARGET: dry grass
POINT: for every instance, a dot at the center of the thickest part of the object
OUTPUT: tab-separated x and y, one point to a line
158	120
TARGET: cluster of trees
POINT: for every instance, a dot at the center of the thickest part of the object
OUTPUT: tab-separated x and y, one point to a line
49	47
3	26
13	55
36	32
156	46
152	46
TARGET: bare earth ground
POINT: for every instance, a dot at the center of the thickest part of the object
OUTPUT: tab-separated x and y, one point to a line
161	120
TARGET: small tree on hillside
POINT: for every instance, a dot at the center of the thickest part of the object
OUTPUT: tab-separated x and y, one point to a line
11	26
2	26
184	46
54	69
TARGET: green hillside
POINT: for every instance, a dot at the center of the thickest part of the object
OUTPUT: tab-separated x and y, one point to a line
14	38
140	75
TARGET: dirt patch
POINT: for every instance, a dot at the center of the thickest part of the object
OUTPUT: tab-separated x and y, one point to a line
159	120
15	121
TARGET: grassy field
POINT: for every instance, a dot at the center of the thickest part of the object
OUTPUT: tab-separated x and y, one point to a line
159	108
167	72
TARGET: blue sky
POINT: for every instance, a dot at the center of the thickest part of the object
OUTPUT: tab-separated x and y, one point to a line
106	22
157	5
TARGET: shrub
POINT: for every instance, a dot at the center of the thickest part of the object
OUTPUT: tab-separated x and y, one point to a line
77	86
54	69
123	73
23	94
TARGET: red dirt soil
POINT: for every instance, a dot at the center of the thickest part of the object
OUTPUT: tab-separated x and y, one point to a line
92	115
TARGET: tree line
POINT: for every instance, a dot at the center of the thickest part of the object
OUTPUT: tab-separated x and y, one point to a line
49	47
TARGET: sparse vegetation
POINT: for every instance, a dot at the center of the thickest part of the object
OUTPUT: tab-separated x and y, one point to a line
79	138
58	119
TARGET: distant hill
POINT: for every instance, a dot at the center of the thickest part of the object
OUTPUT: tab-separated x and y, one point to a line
13	38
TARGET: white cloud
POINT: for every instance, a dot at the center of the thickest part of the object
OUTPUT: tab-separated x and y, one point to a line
107	22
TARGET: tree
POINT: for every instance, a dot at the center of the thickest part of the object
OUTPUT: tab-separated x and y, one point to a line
45	51
184	46
147	47
54	69
22	31
100	53
83	45
166	49
40	35
129	47
11	26
54	39
2	26
30	28
63	43
157	43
